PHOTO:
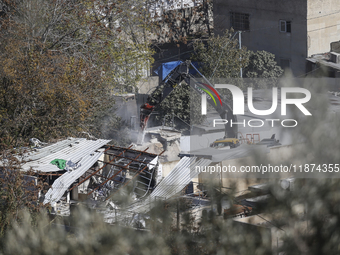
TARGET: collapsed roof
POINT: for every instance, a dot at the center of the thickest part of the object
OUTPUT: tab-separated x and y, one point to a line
100	169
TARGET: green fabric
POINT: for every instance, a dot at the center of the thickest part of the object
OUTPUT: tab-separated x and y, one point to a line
60	163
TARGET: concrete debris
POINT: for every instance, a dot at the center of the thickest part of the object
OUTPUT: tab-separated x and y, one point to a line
159	139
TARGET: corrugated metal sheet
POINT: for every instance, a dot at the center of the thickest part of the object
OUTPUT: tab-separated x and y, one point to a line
65	181
178	178
45	151
75	152
173	183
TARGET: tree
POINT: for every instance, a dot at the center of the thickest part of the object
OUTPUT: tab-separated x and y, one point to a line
18	191
60	62
219	59
181	22
262	65
182	106
220	56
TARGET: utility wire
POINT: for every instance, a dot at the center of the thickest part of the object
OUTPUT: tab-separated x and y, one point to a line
324	15
322	28
269	222
308	72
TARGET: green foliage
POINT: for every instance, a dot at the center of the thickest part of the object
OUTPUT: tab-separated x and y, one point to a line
60	62
183	104
220	56
18	191
315	231
88	235
262	65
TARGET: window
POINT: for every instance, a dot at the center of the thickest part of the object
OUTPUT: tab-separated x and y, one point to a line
239	21
285	26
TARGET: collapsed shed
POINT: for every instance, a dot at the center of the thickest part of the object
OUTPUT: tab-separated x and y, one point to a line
78	169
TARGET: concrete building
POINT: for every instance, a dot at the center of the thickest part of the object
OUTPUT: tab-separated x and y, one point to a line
293	29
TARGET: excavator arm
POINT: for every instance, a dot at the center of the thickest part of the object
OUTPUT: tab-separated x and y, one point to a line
174	79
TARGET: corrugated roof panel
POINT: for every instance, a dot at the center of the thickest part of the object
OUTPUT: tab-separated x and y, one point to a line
74	152
61	184
172	182
53	148
179	177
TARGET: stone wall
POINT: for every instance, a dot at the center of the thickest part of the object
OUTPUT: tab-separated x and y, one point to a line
323	19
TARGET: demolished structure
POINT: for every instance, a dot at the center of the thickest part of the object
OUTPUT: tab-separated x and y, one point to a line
92	169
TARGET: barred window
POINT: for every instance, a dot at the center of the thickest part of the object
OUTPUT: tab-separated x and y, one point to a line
239	21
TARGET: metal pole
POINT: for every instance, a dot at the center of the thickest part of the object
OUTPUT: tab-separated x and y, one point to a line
178	214
240	44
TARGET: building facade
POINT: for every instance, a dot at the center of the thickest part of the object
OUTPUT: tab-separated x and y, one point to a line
292	29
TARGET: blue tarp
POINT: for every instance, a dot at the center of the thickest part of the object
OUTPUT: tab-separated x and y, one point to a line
164	69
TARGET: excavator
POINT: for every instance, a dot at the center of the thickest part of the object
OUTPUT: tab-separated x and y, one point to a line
172	78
